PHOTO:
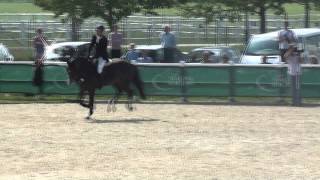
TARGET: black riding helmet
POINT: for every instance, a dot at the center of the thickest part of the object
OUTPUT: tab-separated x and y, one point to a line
100	28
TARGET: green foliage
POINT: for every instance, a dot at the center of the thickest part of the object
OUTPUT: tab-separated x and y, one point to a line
150	6
210	10
72	8
231	8
110	10
15	7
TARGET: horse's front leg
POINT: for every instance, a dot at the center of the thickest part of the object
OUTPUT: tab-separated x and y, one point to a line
91	102
81	95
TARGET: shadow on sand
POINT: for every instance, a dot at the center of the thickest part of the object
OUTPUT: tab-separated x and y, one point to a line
129	120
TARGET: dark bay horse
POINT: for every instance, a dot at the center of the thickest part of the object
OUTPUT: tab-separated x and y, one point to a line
119	74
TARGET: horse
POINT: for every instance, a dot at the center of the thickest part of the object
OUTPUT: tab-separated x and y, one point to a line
118	74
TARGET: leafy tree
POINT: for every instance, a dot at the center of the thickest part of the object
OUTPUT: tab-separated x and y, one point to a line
210	10
75	11
231	8
148	6
259	7
112	11
308	4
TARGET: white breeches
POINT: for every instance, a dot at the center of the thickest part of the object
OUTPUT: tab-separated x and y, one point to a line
101	63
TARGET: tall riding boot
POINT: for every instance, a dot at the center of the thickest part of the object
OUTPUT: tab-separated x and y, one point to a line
99	83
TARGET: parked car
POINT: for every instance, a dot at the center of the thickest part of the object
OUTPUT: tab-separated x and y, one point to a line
267	45
52	51
5	54
156	53
217	54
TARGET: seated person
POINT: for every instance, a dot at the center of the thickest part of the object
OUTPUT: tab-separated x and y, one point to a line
225	59
207	57
132	54
264	60
313	60
144	57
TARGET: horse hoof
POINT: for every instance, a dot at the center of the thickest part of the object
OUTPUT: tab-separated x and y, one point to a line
108	108
130	109
114	109
88	117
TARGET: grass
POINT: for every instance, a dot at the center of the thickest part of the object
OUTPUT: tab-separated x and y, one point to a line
20	8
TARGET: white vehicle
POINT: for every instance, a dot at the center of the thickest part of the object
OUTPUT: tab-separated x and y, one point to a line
267	45
51	51
5	54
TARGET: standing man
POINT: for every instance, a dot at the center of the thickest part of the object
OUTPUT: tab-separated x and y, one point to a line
116	40
293	58
168	43
39	44
100	42
284	37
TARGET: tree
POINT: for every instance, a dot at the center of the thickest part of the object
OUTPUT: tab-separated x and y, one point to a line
308	4
259	7
231	8
210	10
112	11
148	6
75	11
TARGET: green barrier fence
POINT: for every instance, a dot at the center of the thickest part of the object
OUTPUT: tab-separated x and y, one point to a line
176	80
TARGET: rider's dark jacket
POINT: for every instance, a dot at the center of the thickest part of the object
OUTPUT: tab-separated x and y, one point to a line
101	47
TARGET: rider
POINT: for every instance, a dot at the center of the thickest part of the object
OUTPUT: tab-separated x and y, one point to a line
100	42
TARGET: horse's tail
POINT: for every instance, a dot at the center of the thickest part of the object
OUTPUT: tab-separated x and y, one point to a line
139	84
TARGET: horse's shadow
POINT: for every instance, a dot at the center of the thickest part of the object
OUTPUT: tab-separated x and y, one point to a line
131	121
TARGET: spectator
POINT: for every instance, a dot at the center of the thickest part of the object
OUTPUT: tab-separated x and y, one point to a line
39	44
168	43
314	60
115	40
225	59
285	37
264	60
132	54
194	58
145	58
292	57
207	57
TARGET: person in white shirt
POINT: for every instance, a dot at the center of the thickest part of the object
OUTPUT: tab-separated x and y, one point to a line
168	43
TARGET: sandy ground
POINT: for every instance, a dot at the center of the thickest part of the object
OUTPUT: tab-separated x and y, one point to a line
54	141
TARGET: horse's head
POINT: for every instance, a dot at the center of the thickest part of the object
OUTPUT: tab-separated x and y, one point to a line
69	55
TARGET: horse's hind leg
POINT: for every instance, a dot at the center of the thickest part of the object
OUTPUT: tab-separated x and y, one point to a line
112	102
129	105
